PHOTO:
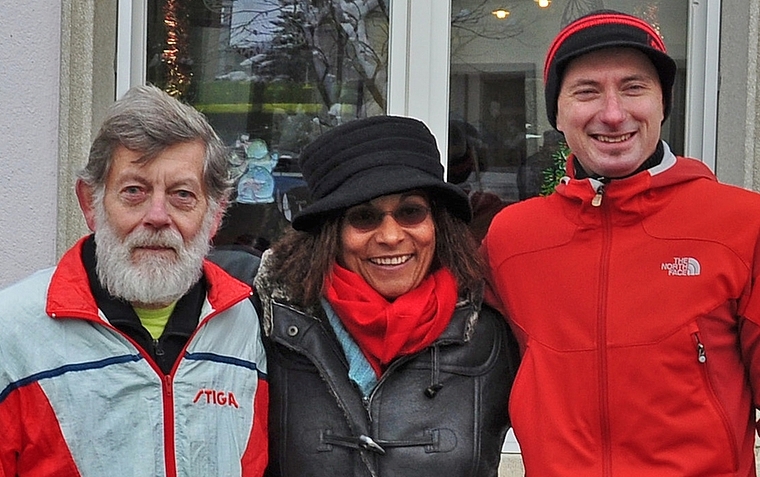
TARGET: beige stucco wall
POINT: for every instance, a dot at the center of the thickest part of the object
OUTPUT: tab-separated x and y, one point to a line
511	466
29	62
57	78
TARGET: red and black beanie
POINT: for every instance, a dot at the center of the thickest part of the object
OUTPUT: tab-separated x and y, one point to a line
605	29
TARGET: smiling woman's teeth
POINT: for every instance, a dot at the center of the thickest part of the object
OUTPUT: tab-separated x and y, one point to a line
390	260
614	139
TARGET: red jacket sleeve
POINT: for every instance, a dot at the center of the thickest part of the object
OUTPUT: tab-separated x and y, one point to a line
491	296
256	454
32	442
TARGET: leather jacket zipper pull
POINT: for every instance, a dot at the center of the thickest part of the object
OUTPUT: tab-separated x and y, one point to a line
435	384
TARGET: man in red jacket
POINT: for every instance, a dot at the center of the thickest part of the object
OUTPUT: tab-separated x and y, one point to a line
631	289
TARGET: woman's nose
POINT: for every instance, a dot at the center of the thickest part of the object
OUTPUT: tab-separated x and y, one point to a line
389	231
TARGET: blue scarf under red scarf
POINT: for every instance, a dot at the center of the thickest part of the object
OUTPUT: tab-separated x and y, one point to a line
386	330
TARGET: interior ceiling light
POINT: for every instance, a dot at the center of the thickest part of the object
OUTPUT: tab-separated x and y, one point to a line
500	13
543	3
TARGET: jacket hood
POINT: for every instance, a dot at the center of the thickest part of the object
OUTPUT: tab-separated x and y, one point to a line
681	170
688	170
632	198
270	289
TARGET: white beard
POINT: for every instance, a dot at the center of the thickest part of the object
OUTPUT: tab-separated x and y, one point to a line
149	278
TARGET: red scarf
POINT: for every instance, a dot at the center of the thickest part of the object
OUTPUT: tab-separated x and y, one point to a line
385	330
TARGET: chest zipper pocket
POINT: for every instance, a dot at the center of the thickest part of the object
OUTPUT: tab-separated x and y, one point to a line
701	356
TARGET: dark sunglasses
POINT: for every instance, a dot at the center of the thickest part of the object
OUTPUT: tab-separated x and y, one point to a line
366	217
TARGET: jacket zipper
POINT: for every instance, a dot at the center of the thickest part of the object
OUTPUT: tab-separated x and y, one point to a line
168	391
367	400
171	464
604	266
167	387
701	356
158	350
597	200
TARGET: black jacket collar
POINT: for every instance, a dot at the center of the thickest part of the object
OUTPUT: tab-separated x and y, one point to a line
653	160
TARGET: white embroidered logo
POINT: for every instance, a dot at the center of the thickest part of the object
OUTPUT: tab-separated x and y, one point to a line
683	267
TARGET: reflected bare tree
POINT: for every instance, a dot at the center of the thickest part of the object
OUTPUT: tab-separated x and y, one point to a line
577	8
339	41
475	20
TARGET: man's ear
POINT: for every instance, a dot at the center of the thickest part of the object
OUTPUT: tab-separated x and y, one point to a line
86	198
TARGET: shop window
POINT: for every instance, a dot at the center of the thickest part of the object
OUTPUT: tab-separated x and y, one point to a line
270	75
501	147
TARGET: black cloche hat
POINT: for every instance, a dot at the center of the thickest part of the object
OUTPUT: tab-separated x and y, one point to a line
368	158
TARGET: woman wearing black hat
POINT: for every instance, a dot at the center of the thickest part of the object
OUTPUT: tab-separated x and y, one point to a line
382	359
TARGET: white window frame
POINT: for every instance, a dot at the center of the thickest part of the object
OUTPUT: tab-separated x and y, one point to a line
702	80
418	64
131	40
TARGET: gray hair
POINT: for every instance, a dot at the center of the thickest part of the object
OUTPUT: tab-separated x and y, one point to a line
147	120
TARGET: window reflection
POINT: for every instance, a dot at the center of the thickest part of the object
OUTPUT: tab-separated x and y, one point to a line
270	75
496	93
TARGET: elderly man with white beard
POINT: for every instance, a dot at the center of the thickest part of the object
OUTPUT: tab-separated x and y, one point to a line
135	355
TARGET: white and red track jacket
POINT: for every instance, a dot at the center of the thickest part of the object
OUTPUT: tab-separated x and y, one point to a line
78	398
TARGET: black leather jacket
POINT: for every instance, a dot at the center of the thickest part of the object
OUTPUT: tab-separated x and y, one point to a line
441	412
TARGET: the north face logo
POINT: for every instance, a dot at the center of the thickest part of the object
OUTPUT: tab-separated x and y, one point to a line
683	267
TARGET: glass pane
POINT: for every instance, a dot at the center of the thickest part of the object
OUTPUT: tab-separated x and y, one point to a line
500	142
270	75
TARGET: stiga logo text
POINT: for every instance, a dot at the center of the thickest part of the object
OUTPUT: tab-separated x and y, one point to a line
683	267
212	396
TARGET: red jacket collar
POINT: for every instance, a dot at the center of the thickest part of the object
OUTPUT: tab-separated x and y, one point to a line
69	293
